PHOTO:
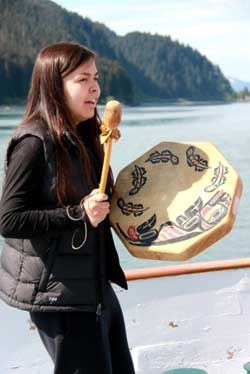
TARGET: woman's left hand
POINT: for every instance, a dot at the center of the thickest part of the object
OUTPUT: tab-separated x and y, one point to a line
96	207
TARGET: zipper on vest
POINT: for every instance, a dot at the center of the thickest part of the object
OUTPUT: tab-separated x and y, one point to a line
98	312
97	260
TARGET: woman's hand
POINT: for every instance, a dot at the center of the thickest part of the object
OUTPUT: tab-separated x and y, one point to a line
96	207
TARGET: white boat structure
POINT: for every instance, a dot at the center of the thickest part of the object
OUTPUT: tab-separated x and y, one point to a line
183	319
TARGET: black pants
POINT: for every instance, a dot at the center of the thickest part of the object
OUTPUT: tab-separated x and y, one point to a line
78	344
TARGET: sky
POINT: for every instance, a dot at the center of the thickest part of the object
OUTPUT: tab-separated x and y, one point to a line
218	29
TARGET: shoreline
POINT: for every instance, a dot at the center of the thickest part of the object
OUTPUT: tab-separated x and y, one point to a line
160	103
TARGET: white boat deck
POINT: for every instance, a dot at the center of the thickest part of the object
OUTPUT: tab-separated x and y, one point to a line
199	321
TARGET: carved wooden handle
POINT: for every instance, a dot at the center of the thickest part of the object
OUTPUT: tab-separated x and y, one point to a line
111	120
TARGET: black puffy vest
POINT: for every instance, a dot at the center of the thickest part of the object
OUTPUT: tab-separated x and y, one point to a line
44	273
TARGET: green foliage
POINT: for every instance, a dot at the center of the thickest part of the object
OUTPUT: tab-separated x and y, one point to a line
170	70
133	68
114	80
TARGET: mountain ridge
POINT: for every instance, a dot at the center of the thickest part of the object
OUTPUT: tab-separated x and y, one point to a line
134	68
238	84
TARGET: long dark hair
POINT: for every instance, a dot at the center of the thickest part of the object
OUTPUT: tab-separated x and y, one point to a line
46	101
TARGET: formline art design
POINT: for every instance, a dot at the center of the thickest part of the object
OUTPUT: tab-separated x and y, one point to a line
175	200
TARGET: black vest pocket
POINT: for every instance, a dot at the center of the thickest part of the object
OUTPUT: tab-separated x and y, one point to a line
48	264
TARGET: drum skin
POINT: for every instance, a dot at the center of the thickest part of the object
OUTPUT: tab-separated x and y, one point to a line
175	200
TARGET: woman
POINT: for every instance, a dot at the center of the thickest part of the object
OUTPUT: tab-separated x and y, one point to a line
59	257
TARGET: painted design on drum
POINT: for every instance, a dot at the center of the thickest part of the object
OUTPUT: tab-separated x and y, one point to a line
138	179
195	220
142	234
130	208
163	156
218	179
195	160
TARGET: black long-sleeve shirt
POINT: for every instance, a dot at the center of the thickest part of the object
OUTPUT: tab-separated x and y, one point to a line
23	178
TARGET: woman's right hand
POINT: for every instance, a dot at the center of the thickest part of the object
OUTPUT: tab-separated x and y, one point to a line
96	207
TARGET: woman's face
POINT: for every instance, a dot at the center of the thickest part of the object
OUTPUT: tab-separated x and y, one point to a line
82	91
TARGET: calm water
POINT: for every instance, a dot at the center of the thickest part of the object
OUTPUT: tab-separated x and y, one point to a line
227	126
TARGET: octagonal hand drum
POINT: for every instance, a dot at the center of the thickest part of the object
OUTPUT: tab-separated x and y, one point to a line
175	200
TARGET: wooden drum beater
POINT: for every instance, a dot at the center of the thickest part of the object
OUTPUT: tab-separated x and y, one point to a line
109	132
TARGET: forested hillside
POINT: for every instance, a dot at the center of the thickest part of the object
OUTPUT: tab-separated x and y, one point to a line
133	68
169	70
